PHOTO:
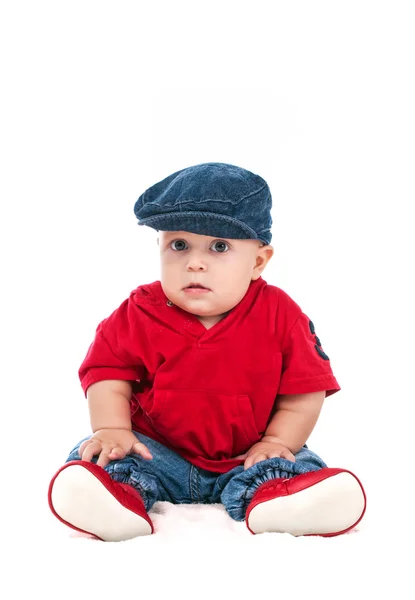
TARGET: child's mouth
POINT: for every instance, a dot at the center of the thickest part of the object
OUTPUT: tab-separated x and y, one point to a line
196	289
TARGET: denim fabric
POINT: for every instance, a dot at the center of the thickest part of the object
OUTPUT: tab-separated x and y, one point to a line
215	199
169	477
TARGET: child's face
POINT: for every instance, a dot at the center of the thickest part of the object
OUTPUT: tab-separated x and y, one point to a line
224	266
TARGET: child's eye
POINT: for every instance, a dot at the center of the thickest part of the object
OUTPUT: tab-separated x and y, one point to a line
220	246
178	245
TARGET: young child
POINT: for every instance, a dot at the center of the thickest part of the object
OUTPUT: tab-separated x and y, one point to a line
204	387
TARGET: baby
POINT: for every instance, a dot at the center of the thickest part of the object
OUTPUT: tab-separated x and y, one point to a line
205	386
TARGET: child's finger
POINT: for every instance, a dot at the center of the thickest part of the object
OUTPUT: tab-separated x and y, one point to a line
116	453
103	459
142	450
252	460
89	450
288	455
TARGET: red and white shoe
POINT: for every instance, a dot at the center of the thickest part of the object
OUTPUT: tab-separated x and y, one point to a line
84	497
327	502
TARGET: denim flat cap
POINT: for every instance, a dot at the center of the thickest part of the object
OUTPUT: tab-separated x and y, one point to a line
215	199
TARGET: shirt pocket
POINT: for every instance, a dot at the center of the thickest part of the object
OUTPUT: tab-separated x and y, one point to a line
214	425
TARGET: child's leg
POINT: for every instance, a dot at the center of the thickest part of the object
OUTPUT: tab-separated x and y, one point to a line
112	503
129	470
302	497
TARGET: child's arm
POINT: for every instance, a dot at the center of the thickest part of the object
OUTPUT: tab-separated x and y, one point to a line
294	419
109	404
289	429
109	409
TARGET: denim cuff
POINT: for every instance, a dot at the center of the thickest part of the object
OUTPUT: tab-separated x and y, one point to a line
240	490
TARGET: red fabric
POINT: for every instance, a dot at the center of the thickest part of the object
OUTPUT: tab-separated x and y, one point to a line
208	394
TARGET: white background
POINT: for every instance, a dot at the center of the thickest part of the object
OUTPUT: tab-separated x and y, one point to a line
99	100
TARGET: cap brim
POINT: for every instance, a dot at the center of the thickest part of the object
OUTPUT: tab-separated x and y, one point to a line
202	223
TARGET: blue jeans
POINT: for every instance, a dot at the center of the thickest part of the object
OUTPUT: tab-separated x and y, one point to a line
170	478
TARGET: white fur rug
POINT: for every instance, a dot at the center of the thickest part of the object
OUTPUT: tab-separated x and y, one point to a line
199	551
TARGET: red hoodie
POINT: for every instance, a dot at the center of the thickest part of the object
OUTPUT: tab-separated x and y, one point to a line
208	394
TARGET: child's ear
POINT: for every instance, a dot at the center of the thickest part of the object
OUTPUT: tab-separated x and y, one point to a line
264	256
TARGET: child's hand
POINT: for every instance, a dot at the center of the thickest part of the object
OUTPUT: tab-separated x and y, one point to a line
112	444
263	450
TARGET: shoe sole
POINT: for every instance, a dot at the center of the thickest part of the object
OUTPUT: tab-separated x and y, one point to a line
81	501
329	507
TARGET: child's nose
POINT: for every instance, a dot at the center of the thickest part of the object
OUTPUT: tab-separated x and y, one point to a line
196	262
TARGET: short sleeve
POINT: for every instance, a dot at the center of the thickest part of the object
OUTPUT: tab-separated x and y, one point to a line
116	351
305	366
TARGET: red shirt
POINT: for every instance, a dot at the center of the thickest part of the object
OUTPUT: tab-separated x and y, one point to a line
208	394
